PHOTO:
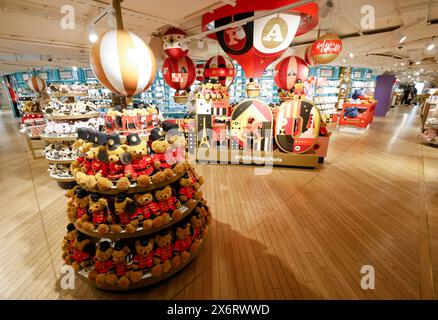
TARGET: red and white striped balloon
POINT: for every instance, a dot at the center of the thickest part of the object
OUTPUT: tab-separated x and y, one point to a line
179	74
219	68
308	56
123	63
289	70
37	84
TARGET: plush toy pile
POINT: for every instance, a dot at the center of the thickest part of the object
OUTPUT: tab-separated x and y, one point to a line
213	90
65	88
58	129
137	213
59	170
60	151
58	108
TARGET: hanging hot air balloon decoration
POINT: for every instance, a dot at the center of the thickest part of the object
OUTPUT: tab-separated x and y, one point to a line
326	48
288	72
258	43
173	43
37	84
179	75
221	69
308	56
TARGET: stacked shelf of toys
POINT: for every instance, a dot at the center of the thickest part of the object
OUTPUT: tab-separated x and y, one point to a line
64	114
363	82
345	78
429	120
137	215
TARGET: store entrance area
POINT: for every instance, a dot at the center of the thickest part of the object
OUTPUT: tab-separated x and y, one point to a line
293	234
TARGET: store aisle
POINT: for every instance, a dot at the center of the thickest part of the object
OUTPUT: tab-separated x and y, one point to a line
288	235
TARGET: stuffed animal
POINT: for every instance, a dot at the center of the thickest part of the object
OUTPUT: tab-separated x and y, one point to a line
80	205
164	252
183	242
68	242
186	192
142	163
144	260
98	208
126	210
122	261
103	264
149	210
168	203
197	224
83	251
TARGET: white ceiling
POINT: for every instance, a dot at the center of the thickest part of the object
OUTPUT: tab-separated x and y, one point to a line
30	31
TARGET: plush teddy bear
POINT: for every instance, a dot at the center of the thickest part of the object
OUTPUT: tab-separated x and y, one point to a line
187	193
144	259
98	207
217	91
68	242
79	205
183	241
150	211
197	223
129	216
122	261
164	252
103	264
168	203
142	162
83	251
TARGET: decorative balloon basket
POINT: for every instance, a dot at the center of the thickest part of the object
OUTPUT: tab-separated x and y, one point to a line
253	93
181	99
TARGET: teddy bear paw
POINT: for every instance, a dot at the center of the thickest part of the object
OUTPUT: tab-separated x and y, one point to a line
165	218
123	184
115	228
166	266
176	261
147	224
144	181
123	282
157	222
158	177
177	214
130	228
101	279
103	229
87	226
103	184
185	256
136	276
157	270
111	279
92	275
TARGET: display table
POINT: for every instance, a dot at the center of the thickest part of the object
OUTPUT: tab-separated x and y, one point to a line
356	118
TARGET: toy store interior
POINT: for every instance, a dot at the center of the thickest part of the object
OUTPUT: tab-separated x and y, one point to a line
219	149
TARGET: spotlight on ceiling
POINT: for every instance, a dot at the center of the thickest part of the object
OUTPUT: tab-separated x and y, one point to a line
351	55
92	34
430	46
326	8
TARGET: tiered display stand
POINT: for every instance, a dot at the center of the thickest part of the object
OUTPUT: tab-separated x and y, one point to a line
65	182
361	122
168	246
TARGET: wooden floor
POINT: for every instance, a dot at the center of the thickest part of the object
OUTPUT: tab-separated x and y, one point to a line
293	234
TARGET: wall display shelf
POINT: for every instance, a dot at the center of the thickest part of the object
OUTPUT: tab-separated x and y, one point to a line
59	138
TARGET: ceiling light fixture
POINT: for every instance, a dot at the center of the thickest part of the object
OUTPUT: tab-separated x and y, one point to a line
351	55
417	63
430	46
92	36
403	38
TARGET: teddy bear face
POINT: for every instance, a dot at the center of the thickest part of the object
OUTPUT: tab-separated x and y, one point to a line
115	155
142	249
96	206
139	150
143	199
209	85
103	256
163	241
80	203
93	153
185	182
163	195
80	245
217	86
119	256
71	235
160	146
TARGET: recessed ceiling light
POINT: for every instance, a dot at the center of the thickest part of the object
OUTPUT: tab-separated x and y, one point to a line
418	62
351	55
93	37
403	38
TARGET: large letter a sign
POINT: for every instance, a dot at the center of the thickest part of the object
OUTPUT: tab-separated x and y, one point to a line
275	33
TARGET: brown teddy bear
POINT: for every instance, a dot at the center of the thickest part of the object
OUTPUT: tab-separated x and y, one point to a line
79	207
83	251
168	203
122	266
150	211
141	163
144	260
197	224
103	264
126	210
187	193
98	207
164	252
67	244
159	147
183	241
